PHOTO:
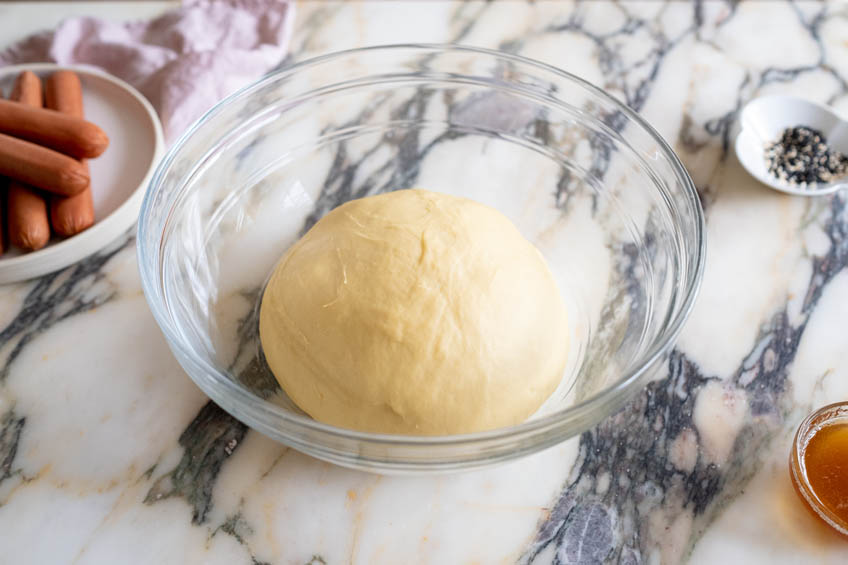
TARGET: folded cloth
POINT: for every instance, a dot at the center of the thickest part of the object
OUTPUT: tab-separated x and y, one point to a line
183	62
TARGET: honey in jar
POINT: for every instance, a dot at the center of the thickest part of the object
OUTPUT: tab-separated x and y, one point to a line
819	465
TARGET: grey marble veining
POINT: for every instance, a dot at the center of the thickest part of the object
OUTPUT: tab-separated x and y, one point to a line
660	481
625	468
57	297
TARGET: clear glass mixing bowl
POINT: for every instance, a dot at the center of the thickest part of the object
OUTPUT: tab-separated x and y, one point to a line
583	177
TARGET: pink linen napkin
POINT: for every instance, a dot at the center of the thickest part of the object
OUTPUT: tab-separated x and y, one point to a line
183	62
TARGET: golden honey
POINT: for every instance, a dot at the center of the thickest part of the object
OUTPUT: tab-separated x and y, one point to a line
819	465
826	463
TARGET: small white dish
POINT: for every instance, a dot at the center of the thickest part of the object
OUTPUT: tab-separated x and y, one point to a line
119	177
763	120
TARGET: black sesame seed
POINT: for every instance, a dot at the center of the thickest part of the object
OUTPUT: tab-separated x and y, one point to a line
801	157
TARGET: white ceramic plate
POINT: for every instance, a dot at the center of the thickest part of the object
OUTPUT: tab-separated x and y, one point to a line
762	121
119	177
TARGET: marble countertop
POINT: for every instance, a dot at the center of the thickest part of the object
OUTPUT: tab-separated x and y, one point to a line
109	453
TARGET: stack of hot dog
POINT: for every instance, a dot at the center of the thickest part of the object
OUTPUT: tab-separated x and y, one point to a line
43	152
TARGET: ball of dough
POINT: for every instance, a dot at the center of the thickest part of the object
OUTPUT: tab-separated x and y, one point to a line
414	312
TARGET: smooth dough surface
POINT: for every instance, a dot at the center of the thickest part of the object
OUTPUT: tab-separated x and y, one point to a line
414	312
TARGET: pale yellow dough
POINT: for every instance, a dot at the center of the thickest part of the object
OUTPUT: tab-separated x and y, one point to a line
415	312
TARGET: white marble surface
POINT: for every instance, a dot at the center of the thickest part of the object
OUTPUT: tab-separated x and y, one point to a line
109	453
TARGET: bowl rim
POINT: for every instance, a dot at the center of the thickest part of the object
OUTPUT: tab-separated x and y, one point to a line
232	397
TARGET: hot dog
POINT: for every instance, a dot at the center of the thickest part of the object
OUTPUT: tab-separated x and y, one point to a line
41	167
27	217
66	134
72	214
27	89
26	209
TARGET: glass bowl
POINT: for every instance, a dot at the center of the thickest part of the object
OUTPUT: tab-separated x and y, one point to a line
583	177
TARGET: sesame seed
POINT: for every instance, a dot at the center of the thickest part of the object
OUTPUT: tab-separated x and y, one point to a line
802	157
